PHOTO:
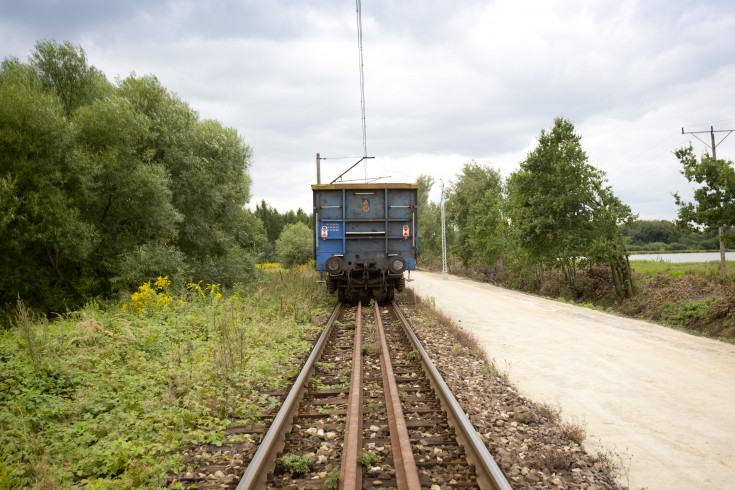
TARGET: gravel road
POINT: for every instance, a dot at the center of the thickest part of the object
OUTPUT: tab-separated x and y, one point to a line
662	399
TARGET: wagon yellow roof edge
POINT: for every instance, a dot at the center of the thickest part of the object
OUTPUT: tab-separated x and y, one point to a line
364	186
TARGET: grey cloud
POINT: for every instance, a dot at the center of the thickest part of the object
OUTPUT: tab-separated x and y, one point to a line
451	80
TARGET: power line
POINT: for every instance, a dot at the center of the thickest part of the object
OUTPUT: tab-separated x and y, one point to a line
712	137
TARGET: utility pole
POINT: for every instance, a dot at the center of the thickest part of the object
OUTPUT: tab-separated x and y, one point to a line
720	229
445	273
318	170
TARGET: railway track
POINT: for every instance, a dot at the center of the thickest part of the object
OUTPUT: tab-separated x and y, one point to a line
369	410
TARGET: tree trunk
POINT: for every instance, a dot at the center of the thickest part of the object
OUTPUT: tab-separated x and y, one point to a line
55	266
628	278
723	262
616	279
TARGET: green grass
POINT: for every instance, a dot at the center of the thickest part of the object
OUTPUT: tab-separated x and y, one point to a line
709	270
107	397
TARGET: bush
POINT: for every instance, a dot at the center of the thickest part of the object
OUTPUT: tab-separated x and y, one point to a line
295	245
711	244
148	261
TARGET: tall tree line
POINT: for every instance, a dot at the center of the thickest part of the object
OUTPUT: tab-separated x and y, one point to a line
105	185
275	224
554	212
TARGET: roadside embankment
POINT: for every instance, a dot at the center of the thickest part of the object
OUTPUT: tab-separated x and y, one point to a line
686	296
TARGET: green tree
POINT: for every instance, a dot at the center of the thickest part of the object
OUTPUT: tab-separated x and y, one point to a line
425	183
295	246
271	219
129	196
714	206
43	236
274	223
429	220
291	217
561	212
641	232
474	210
208	167
102	186
63	69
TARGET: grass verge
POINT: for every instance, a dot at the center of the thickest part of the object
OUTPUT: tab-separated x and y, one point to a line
107	396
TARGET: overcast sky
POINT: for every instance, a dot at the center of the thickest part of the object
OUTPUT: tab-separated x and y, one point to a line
446	82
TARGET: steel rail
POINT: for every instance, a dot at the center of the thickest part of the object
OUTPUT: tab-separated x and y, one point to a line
489	475
264	459
350	475
407	475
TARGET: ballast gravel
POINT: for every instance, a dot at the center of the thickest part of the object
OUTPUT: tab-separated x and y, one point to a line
532	447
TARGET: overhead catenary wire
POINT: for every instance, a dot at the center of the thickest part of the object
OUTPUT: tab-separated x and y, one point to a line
358	6
365	157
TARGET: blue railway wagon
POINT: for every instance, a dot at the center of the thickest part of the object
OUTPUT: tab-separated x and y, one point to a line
365	237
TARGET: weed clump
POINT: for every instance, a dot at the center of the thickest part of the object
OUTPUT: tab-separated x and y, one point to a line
296	464
368	459
332	481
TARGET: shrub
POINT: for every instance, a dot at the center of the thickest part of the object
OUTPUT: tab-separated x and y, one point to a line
295	245
711	244
147	261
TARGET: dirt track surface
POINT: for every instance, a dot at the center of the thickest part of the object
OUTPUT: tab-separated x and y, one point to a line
662	399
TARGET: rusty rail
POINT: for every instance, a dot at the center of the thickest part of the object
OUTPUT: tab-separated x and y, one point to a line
407	475
350	475
489	474
264	459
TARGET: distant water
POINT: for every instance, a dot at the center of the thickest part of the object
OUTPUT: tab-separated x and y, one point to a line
679	257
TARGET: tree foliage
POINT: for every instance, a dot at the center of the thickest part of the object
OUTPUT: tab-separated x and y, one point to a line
714	206
665	235
274	224
429	220
555	212
295	246
62	69
474	210
641	232
562	213
104	186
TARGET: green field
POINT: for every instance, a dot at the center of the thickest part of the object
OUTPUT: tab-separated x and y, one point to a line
709	270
